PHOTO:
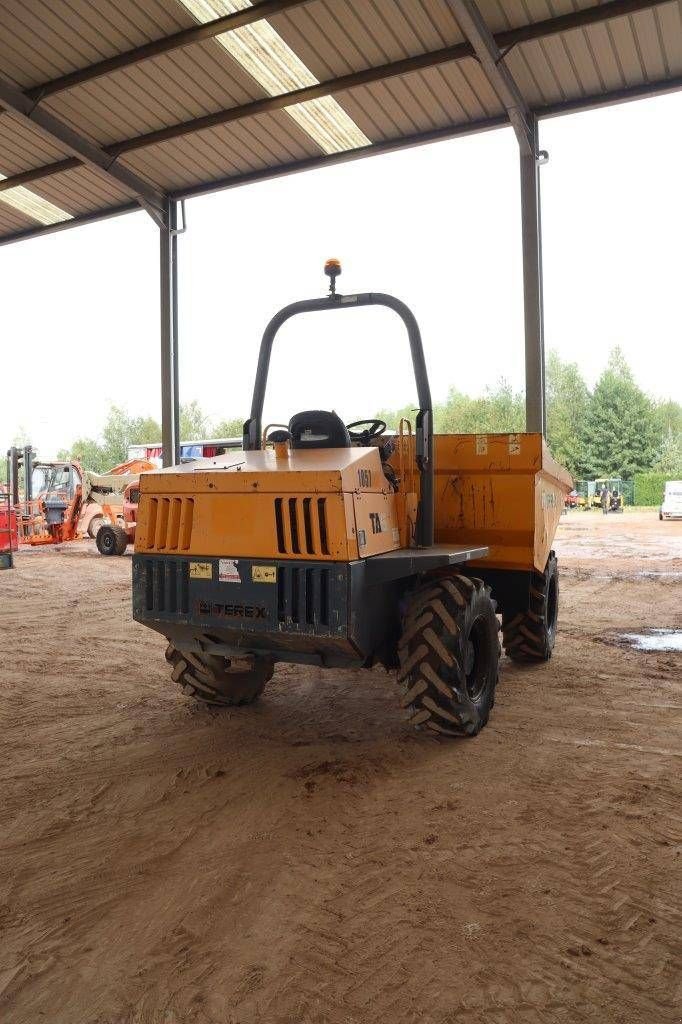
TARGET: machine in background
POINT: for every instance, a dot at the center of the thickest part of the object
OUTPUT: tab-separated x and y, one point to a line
62	501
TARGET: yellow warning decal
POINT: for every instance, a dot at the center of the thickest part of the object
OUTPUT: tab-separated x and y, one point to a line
264	573
200	571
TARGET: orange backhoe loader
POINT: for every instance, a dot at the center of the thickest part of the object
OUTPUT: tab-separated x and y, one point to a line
61	501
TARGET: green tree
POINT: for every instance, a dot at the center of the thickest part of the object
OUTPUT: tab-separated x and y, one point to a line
621	438
669	459
453	415
568	400
229	428
668	416
119	432
194	423
88	452
499	410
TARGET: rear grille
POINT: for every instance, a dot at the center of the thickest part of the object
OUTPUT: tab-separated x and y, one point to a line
303	595
166	585
301	526
170	524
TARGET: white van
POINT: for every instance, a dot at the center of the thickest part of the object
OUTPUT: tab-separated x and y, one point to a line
672	501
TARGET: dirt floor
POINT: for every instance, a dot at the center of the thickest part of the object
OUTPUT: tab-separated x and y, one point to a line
311	859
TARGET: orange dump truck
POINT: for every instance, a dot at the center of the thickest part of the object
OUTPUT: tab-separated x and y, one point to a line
341	546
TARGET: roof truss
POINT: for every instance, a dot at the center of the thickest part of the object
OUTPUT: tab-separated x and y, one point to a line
489	49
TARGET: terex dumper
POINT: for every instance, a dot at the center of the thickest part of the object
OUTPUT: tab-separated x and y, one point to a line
341	546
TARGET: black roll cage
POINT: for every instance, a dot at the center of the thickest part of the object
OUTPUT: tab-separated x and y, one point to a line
424	421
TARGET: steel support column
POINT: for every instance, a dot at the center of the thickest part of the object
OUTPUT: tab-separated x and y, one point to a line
531	235
525	125
170	402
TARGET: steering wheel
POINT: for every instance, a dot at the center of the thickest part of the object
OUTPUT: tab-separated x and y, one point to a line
373	428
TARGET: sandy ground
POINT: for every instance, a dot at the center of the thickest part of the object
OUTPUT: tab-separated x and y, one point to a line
311	859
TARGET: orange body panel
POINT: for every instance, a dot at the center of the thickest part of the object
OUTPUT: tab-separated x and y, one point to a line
500	490
328	504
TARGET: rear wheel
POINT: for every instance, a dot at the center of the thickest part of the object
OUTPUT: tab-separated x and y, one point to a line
111	540
216	680
529	629
449	654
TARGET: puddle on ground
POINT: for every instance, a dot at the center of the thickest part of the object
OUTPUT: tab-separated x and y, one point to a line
655	640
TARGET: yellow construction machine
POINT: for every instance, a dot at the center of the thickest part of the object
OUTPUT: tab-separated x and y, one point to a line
339	545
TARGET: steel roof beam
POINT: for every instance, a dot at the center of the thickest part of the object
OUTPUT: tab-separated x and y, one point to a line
268	8
460	51
187	36
87	152
584	103
490	57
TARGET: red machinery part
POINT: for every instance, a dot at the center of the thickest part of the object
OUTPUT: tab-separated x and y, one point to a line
9	533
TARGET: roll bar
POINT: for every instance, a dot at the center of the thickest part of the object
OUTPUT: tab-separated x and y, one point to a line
424	421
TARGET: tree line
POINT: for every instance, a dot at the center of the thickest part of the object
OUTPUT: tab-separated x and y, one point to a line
613	430
122	430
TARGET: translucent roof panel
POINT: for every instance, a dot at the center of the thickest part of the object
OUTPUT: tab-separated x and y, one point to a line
186	96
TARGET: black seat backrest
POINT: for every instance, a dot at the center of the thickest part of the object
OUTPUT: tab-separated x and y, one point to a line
318	429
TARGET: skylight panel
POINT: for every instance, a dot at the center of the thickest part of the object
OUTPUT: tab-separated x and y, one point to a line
263	53
32	205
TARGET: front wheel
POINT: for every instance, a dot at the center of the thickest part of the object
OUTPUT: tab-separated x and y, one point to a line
217	680
449	654
529	627
111	540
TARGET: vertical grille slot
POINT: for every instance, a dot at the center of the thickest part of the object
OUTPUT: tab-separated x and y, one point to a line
279	526
324	597
322	519
149	586
282	576
169	524
293	523
160	585
151	528
307	525
162	524
174	524
295	573
172	587
184	588
186	523
166	585
309	588
303	595
301	526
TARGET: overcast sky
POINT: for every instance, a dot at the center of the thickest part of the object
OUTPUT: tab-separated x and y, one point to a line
437	226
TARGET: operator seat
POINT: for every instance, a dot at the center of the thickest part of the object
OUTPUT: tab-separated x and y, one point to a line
318	429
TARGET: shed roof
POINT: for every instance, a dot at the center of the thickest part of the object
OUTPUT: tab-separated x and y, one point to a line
180	97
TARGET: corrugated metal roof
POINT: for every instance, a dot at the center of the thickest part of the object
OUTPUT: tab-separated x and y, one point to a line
637	52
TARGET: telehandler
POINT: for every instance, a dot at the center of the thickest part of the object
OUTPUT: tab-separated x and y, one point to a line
339	545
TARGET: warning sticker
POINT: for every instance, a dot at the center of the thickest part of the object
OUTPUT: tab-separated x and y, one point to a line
228	571
264	573
514	444
481	444
200	571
